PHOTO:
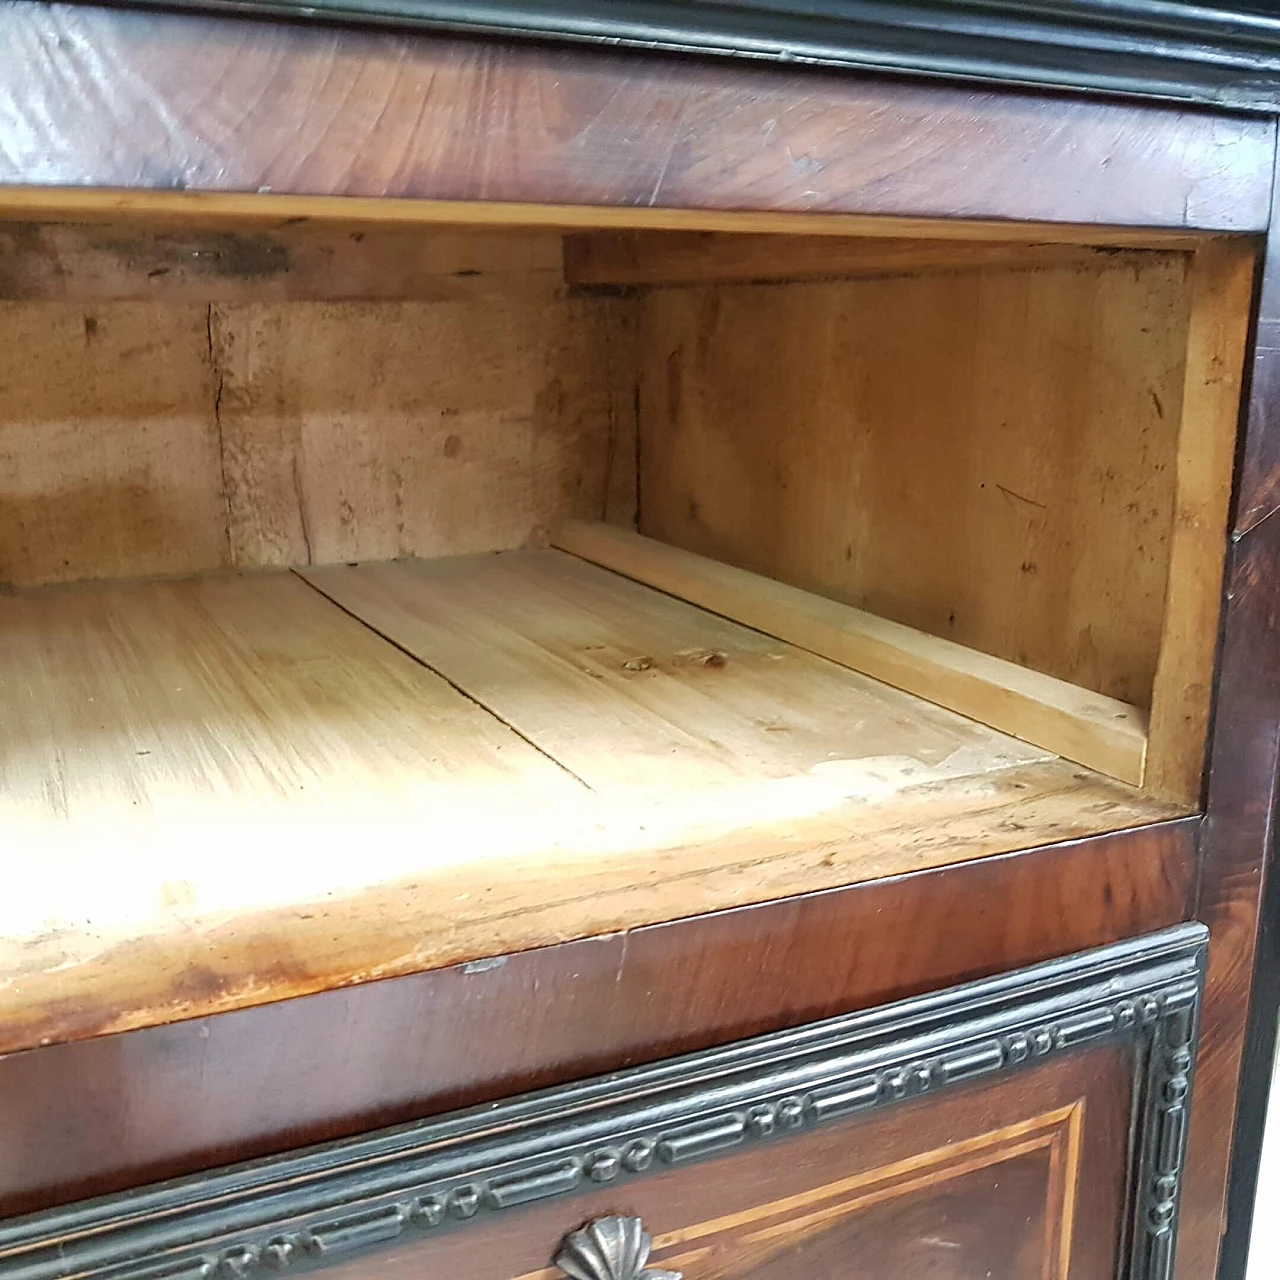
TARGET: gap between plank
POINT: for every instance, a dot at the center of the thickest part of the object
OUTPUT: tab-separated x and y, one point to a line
453	684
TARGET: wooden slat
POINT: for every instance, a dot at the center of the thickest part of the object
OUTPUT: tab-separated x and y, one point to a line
692	257
1100	732
238	211
1221	288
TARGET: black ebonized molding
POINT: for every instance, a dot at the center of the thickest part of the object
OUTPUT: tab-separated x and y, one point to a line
1226	55
294	1213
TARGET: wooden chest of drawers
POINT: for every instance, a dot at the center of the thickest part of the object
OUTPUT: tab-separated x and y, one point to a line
697	638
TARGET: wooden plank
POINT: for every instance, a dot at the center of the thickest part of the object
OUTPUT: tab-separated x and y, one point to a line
176	263
97	97
109	445
238	708
236	211
1221	284
705	257
988	457
175	438
191	765
370	431
649	699
1099	732
206	934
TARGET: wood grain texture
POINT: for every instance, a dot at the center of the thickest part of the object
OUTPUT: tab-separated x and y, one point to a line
99	98
1260	469
1259	480
708	257
1224	54
354	432
647	698
145	717
109	450
939	1221
1221	288
148	261
177	437
189	765
1101	733
1244	783
990	458
158	1102
1242	792
199	210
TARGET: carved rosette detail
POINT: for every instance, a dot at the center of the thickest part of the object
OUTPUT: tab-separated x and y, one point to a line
612	1248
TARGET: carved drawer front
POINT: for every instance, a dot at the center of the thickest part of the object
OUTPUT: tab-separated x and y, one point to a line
1030	1125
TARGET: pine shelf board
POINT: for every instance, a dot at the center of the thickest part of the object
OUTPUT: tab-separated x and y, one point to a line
237	788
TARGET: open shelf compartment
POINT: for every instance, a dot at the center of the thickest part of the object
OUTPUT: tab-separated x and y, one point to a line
385	597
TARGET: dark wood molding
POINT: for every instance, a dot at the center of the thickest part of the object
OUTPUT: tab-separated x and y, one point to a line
1227	55
1240	871
1243	788
1239	835
123	102
300	1211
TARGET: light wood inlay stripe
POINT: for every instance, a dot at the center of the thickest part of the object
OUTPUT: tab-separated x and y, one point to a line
1060	1131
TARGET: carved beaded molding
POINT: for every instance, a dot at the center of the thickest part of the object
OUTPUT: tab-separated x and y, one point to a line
293	1213
1222	53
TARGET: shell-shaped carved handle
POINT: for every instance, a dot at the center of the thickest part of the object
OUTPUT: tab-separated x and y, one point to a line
612	1248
